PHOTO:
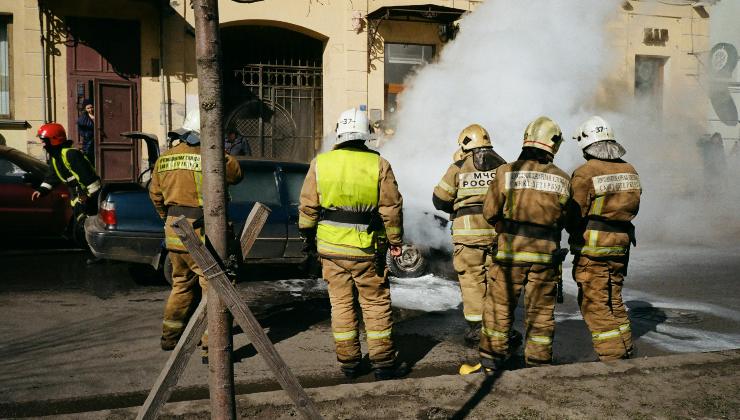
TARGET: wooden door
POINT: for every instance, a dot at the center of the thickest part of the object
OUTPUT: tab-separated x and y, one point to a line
103	64
118	156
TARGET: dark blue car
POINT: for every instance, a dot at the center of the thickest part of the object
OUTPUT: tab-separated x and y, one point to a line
127	228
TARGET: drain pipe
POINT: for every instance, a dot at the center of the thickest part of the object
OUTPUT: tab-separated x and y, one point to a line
44	81
162	79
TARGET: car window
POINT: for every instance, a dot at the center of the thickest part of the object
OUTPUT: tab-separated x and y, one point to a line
257	185
10	169
293	184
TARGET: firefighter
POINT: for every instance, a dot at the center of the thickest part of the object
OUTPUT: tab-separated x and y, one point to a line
526	203
351	211
175	190
460	193
606	197
71	167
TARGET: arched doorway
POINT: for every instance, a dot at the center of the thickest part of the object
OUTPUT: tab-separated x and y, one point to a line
273	90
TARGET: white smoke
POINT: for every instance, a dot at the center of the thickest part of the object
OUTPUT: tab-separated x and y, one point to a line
514	61
510	63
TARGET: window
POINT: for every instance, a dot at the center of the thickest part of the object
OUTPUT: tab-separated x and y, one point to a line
649	80
10	172
257	185
5	66
293	184
400	61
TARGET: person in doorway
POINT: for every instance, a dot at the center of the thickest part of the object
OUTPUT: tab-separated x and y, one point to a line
350	207
71	167
175	190
236	145
527	204
606	197
86	128
460	193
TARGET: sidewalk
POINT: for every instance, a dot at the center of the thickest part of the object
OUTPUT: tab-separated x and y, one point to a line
698	385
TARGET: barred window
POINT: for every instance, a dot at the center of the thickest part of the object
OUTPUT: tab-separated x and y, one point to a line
5	66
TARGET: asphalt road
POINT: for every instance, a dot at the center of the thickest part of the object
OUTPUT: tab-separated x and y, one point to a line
72	331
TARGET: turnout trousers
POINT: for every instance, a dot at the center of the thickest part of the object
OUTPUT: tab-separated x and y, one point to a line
471	263
600	284
184	297
505	284
350	282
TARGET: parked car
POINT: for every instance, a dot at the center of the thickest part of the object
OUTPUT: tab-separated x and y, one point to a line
128	228
48	216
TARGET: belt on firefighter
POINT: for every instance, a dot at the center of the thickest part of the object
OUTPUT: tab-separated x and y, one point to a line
613	226
529	230
468	210
189	212
347	216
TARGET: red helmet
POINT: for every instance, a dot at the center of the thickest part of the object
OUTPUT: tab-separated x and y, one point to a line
54	133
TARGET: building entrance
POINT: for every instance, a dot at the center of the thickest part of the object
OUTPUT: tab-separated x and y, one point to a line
273	86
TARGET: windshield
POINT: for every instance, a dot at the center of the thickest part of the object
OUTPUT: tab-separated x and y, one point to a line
257	185
293	184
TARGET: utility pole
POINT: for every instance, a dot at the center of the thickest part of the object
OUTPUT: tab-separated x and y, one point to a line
210	97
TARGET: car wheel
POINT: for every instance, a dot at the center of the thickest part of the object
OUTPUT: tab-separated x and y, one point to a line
411	262
167	269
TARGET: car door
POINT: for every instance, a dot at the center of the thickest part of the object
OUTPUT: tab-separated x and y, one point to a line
260	184
291	182
21	216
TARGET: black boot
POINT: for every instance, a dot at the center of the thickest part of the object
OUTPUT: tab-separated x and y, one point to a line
472	335
167	344
354	370
392	372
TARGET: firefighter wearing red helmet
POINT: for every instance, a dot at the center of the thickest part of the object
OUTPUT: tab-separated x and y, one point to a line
69	166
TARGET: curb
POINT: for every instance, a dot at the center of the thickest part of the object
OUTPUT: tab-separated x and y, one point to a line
507	380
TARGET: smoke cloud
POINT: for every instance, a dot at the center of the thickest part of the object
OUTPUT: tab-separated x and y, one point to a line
510	63
514	61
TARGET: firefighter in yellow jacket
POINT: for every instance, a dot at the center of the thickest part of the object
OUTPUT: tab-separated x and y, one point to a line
460	193
527	203
606	197
350	205
175	190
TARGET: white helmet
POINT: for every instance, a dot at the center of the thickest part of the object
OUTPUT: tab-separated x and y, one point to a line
192	121
353	125
593	130
190	130
596	139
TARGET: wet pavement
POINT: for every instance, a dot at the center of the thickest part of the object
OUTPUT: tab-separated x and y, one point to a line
74	330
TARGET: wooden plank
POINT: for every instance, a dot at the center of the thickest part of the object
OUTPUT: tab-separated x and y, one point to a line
253	226
176	364
218	280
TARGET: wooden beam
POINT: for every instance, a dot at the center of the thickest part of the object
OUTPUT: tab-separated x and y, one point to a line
253	226
218	281
176	364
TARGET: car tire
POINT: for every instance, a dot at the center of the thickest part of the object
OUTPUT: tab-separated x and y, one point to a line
411	262
167	269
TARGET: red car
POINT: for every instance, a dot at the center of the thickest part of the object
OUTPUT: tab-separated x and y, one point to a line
50	215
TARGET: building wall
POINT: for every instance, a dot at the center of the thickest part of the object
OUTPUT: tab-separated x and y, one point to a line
26	84
687	39
350	78
345	58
